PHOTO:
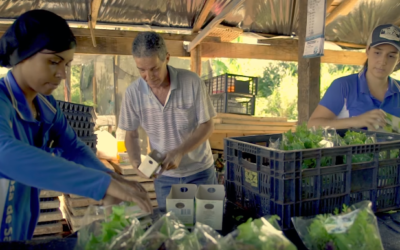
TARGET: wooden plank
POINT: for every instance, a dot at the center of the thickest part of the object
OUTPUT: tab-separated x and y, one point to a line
343	9
49	194
281	53
259	123
195	60
49	204
137	178
122	46
94	11
107	164
253	131
79	202
217	141
50	216
249	127
48	237
51	228
232	6
308	73
123	169
154	203
251	118
351	45
83	32
328	4
203	15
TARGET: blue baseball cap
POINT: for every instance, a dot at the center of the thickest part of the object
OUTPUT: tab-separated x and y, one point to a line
385	34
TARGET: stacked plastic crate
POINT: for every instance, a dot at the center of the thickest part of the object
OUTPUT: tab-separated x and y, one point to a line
82	119
235	94
267	181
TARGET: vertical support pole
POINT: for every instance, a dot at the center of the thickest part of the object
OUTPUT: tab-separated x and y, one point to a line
117	103
94	82
67	85
309	72
195	60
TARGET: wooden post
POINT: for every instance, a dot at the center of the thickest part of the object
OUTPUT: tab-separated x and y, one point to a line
94	82
308	72
116	94
67	85
195	60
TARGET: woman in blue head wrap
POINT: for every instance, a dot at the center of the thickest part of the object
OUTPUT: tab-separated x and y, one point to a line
38	149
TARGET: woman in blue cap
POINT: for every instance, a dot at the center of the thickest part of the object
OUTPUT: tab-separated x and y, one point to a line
357	101
38	149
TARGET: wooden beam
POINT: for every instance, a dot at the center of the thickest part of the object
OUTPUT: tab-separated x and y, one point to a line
195	60
203	15
94	7
351	45
280	42
122	46
308	72
80	32
67	85
116	93
281	53
329	3
343	9
233	5
94	11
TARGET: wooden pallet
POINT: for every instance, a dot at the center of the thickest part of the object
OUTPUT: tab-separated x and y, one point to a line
48	215
79	202
49	194
49	203
49	228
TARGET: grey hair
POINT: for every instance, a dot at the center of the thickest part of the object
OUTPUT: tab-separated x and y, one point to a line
148	44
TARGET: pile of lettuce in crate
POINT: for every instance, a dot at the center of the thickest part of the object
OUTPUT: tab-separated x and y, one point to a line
324	183
314	172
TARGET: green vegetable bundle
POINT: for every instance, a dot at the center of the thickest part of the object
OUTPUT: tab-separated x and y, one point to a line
114	227
355	228
305	138
260	234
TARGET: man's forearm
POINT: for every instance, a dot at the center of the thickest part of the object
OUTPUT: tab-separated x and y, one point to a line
132	145
199	136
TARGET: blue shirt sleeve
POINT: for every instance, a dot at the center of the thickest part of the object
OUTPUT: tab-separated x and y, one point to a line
36	168
334	97
73	148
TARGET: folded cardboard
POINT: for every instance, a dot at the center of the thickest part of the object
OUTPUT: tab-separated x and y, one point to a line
210	205
181	202
151	164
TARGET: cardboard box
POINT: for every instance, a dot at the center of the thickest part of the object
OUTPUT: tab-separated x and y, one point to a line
181	202
151	164
210	205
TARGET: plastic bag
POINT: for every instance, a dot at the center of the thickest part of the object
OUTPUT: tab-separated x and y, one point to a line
103	226
260	234
167	233
355	228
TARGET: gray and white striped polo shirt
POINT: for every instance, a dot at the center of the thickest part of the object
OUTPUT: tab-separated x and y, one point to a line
187	106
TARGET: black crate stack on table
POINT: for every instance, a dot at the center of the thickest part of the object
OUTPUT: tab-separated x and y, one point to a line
82	119
235	94
267	181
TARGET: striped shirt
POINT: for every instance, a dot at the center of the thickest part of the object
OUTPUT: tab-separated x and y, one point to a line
188	105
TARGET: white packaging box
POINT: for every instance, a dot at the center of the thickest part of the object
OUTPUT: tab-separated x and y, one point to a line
210	205
151	164
181	202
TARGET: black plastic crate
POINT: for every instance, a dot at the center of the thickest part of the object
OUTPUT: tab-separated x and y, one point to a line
230	83
79	117
276	177
74	107
234	103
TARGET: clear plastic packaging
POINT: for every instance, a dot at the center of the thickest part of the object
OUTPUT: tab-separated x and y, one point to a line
355	228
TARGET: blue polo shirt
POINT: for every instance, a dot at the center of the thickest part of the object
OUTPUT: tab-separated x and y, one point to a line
349	96
34	155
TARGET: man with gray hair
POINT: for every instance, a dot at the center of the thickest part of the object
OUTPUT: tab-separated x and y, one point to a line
176	112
